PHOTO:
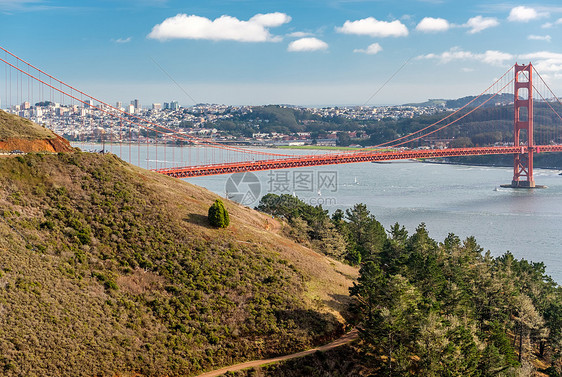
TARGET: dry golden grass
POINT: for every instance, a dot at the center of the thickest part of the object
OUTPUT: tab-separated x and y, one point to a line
328	280
14	127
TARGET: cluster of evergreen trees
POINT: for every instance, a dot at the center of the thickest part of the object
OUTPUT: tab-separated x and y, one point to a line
351	235
435	309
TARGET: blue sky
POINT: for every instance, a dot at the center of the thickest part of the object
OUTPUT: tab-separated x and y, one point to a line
304	52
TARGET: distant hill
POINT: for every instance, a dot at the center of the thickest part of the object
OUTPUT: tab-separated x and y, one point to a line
500	99
428	103
108	269
274	117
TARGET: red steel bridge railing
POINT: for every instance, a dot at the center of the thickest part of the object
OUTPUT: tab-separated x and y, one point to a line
344	158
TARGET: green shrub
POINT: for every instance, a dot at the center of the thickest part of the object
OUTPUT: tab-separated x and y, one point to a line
218	215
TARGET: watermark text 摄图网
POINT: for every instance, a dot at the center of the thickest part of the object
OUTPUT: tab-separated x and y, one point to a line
309	185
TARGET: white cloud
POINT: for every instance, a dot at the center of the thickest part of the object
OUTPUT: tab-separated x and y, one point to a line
225	27
374	28
545	61
453	54
491	57
271	19
524	14
307	44
433	25
10	4
373	49
299	34
26	5
546	38
494	57
548	25
479	23
122	40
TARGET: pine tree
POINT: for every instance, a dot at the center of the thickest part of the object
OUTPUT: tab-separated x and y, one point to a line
365	235
218	215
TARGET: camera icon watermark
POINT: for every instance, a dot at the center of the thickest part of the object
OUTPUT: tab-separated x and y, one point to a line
243	188
313	187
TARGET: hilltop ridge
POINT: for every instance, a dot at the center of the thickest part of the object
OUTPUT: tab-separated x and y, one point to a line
18	133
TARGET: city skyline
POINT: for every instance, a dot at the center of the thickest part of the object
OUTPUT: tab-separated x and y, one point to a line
309	53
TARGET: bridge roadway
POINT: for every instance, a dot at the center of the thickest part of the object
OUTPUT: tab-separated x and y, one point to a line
344	158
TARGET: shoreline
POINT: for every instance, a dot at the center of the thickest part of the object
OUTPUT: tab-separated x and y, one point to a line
445	162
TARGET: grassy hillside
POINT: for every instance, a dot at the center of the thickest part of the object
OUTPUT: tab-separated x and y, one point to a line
14	127
107	269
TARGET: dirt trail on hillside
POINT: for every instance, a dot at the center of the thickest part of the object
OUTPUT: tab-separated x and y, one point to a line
347	338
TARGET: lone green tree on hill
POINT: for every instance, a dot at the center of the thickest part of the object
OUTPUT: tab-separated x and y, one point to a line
218	215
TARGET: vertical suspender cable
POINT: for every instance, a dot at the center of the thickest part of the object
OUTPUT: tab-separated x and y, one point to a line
138	147
120	140
130	141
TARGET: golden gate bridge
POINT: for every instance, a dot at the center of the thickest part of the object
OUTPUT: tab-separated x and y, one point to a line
532	99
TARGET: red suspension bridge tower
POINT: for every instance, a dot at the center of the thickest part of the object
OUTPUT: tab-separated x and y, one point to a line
523	121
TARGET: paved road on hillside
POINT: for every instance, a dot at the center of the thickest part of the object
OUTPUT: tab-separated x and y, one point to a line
347	338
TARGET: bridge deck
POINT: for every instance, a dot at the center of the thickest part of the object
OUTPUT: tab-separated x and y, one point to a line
344	158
